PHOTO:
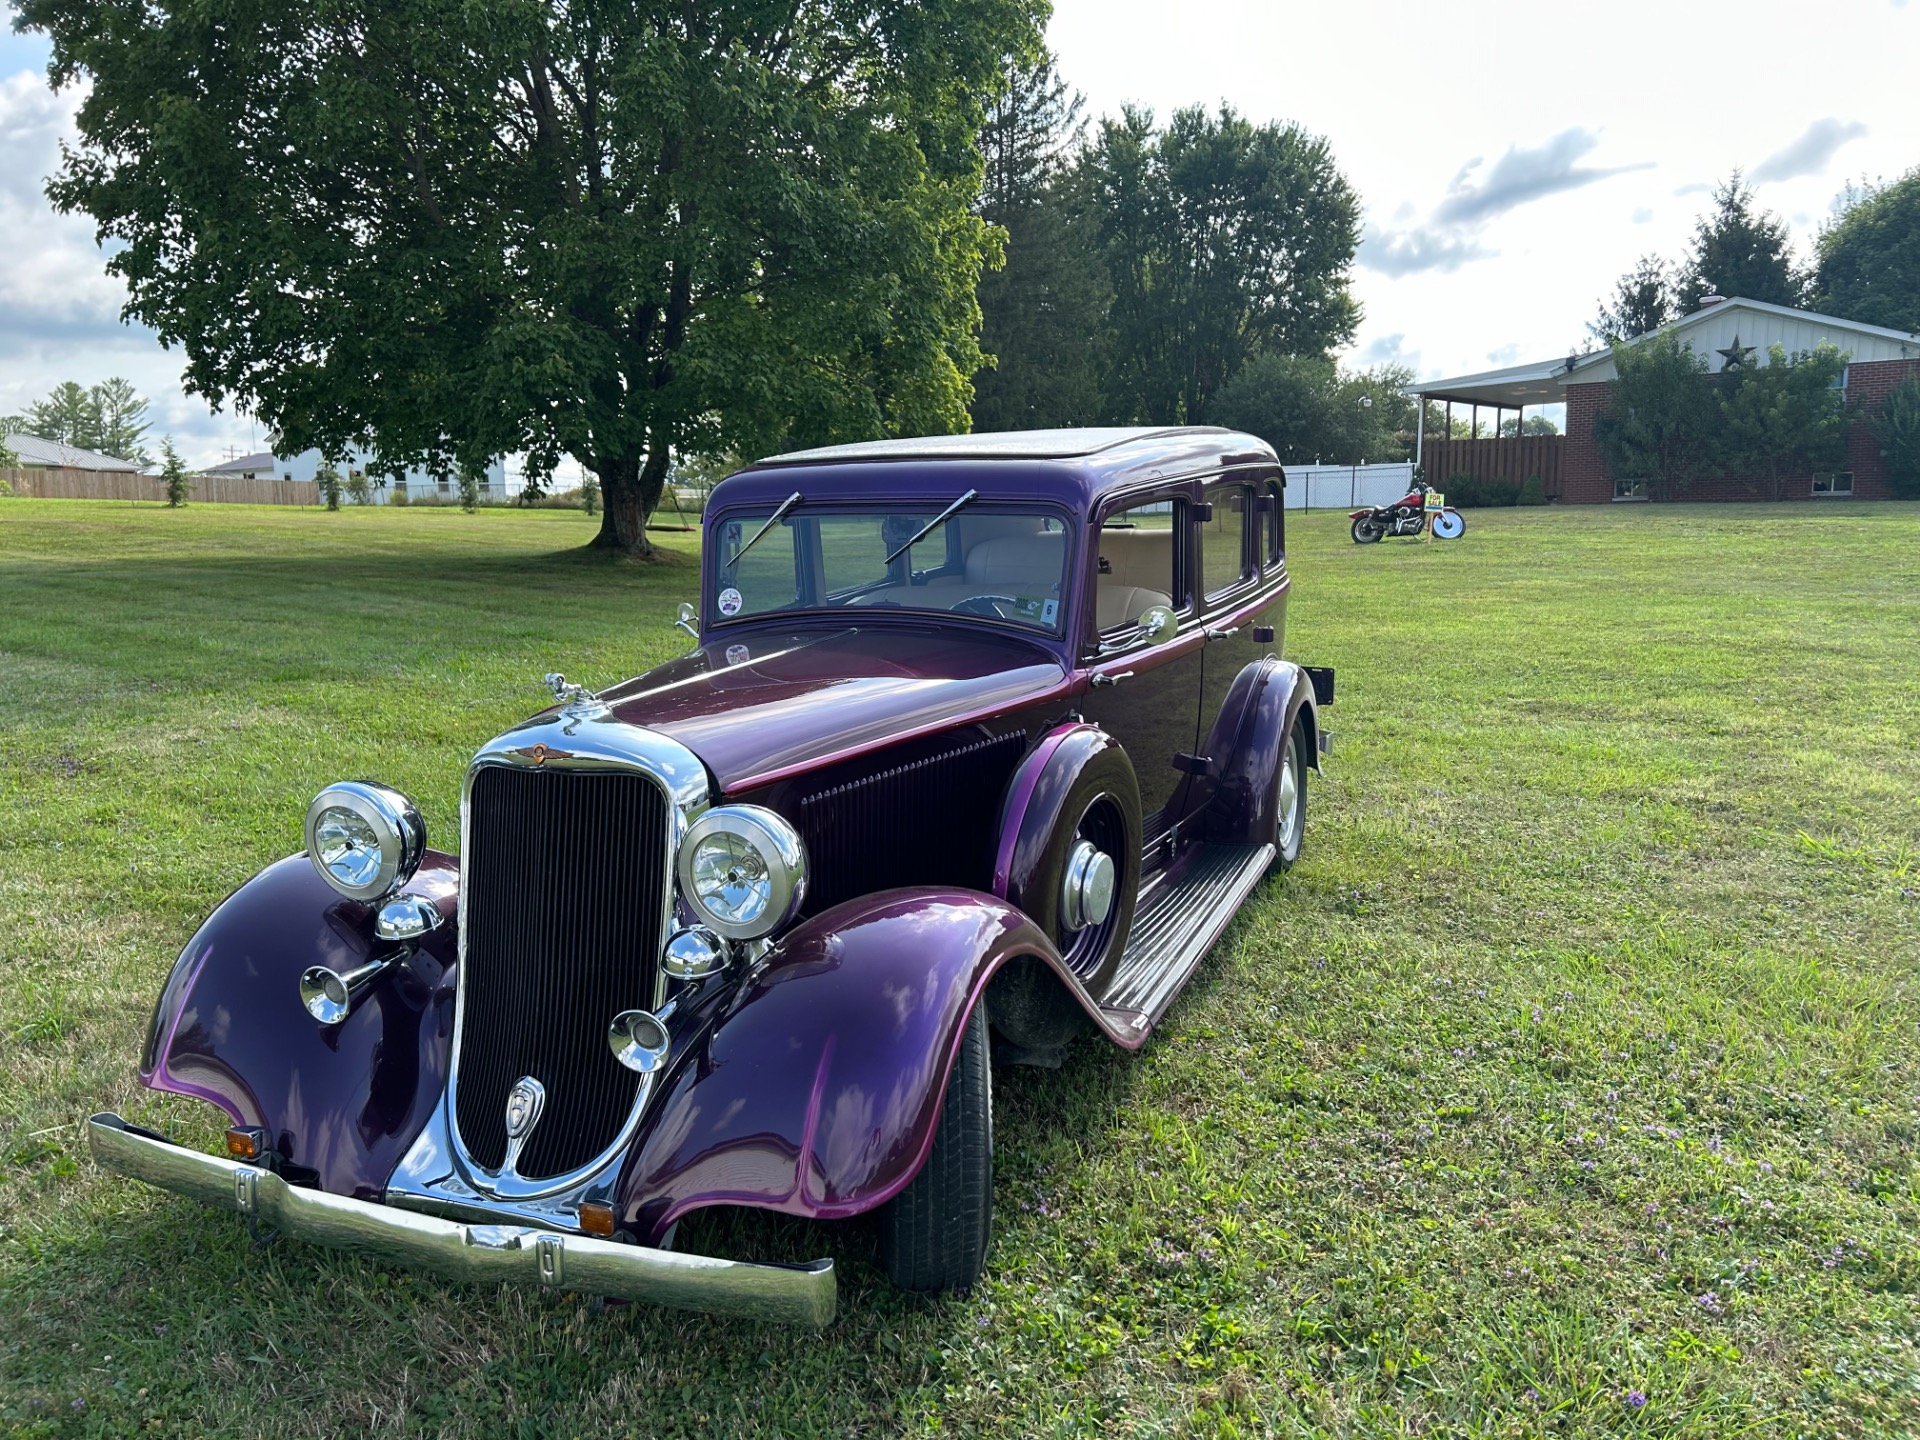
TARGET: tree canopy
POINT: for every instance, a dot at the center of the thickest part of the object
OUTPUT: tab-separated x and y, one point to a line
109	417
1868	265
1643	301
440	232
1222	240
1308	409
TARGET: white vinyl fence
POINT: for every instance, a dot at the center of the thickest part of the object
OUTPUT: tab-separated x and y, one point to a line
1346	487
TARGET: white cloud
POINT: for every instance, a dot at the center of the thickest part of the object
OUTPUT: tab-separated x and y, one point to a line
1526	174
1643	215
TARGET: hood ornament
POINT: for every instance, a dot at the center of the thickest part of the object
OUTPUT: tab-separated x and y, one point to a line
577	701
525	1101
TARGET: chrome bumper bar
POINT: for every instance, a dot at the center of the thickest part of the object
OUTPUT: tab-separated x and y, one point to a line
481	1254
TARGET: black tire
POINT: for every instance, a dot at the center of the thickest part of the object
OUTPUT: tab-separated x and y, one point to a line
1104	806
1366	530
934	1234
1288	837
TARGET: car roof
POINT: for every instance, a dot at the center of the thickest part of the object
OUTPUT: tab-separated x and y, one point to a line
1073	466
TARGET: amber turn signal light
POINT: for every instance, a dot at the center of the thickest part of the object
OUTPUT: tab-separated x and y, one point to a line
249	1143
596	1218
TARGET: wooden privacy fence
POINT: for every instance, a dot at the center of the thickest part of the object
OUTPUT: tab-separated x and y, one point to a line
1512	459
51	484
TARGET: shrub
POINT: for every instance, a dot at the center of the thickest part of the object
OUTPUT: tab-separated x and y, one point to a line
1469	492
399	495
469	487
1534	492
328	479
1897	427
590	495
359	491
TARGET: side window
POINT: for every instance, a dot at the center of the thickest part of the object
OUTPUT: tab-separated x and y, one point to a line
1276	508
1225	556
1138	562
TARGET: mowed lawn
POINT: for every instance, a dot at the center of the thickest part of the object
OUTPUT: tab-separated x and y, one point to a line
1569	1085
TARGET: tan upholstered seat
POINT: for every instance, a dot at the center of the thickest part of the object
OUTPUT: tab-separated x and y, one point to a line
1136	569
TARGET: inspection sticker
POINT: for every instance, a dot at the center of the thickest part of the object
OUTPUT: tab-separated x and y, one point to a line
737	655
730	601
1049	612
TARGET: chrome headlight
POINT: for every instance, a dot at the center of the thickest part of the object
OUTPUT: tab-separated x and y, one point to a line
365	840
744	870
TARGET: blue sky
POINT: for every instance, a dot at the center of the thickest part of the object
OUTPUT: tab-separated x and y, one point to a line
1514	160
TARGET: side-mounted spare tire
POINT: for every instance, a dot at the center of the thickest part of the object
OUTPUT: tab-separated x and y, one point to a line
934	1234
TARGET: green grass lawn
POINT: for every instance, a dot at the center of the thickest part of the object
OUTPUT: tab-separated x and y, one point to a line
1568	1086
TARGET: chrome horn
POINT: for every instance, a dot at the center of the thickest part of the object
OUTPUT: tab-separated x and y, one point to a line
639	1040
330	996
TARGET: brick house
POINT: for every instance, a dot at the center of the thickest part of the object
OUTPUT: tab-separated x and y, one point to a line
1571	466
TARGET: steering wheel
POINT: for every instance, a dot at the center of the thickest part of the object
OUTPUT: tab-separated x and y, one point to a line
987	605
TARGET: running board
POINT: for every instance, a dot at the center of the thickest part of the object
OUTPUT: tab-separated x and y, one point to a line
1173	928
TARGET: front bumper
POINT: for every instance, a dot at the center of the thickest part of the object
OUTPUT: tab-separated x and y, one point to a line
483	1254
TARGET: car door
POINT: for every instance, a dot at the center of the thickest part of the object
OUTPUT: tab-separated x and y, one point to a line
1146	693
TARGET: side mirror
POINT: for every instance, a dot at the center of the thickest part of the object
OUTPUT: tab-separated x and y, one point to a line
1158	624
686	618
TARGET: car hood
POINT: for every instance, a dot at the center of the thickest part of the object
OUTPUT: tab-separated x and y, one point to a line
760	705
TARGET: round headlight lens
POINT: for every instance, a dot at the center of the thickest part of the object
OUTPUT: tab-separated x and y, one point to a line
365	840
744	870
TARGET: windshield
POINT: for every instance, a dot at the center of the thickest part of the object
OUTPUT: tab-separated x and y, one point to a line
1002	564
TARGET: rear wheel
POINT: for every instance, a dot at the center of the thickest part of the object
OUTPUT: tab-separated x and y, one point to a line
1366	530
1290	800
934	1234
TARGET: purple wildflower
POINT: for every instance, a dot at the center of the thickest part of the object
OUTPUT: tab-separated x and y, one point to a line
1636	1399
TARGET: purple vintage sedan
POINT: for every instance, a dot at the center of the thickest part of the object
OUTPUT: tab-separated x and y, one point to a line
981	742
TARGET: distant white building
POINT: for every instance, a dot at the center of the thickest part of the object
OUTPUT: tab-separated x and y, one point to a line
38	454
420	484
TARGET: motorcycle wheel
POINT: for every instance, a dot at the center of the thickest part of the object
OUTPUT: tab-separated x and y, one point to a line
1449	525
1366	530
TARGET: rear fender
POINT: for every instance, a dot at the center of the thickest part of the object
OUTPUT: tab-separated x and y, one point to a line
815	1083
1242	810
342	1101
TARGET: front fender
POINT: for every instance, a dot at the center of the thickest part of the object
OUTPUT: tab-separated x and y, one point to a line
1242	809
342	1101
815	1084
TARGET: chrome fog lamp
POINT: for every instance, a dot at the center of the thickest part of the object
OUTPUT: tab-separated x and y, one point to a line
744	870
365	840
694	953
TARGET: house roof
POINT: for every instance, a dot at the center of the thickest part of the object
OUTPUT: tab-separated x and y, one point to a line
32	450
1535	384
259	460
1541	382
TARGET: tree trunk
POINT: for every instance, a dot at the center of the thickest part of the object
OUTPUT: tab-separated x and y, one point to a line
623	517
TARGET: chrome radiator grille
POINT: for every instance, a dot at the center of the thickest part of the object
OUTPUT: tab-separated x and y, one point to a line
564	875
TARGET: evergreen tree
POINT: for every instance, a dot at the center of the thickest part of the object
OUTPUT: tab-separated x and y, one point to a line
1643	301
1044	311
1740	251
121	420
173	474
70	415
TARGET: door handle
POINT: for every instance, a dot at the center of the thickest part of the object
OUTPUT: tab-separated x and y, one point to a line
1113	679
1217	634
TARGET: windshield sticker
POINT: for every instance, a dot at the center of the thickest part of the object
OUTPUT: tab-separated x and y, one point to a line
1050	612
737	655
730	601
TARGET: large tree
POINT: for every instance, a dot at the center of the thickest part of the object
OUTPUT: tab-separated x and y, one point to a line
1309	410
1044	312
1642	302
1223	239
1783	420
443	231
1662	423
1738	250
1868	267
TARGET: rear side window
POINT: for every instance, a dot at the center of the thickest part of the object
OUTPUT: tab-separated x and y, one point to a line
1274	501
1226	554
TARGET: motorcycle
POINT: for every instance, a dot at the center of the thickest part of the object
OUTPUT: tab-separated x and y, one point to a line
1406	516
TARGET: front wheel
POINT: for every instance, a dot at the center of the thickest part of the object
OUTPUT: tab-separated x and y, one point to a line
934	1234
1290	800
1366	530
1449	525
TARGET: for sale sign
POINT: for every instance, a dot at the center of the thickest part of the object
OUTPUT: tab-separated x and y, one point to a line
1436	502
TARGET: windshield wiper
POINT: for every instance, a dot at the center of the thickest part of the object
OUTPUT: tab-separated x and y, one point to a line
772	520
931	526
